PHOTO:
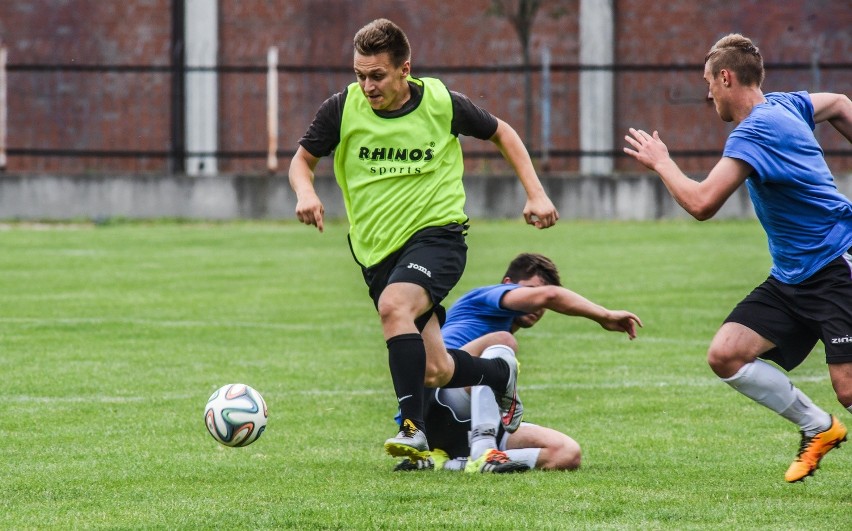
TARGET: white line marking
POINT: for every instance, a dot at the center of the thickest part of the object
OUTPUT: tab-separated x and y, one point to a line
204	394
171	324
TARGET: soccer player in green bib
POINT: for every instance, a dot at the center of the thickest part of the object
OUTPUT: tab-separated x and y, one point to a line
398	162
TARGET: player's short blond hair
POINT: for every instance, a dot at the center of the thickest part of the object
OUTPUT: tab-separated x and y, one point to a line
739	55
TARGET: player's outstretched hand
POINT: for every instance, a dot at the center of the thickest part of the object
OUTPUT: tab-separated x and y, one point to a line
309	210
540	212
622	321
647	149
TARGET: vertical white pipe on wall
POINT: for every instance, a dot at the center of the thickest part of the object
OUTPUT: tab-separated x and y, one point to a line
202	89
272	108
3	107
545	107
597	92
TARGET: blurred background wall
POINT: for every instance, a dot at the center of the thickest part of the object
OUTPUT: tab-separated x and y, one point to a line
151	93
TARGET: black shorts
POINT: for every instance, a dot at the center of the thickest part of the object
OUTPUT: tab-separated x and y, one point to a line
433	258
795	316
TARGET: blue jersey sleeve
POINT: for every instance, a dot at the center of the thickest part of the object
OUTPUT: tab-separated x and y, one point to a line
777	140
477	313
801	101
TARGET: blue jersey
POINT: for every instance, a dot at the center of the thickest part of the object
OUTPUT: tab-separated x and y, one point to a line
476	313
808	222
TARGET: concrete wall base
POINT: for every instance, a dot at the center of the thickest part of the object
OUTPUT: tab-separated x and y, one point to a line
224	197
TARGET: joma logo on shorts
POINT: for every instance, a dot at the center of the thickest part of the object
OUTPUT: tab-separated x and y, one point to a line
838	340
428	273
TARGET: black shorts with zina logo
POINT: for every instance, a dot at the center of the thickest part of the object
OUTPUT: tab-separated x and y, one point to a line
433	258
795	316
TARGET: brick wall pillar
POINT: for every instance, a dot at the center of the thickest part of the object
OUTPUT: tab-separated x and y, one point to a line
597	42
202	120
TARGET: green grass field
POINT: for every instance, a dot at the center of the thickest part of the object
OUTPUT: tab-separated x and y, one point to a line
113	337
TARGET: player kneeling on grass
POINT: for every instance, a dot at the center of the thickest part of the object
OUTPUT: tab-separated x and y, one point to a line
468	435
808	295
466	429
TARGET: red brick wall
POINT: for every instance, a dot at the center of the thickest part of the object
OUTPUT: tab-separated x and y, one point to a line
319	33
681	32
120	111
79	110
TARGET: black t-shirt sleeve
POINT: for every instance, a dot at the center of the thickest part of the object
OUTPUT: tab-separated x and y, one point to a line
470	119
323	134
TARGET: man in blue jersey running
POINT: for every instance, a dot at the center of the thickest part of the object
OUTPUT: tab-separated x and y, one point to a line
465	429
399	165
808	295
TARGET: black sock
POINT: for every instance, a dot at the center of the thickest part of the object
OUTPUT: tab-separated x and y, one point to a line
471	370
407	361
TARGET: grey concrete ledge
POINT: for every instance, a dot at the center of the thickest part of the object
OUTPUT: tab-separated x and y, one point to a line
223	197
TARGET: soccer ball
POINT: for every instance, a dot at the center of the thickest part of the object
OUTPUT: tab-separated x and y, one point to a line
235	415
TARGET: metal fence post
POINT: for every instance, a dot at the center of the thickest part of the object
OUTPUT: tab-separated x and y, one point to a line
272	109
3	107
545	107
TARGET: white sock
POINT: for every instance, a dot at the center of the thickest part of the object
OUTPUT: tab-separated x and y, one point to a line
455	464
767	385
483	407
524	455
484	419
484	412
491	352
482	439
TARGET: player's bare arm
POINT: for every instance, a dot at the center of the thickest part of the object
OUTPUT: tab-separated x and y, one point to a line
700	199
836	109
309	209
539	209
567	302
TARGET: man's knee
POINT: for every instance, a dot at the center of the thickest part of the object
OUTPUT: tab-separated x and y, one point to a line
841	380
390	311
569	457
505	338
733	346
564	455
719	361
402	301
437	374
844	396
